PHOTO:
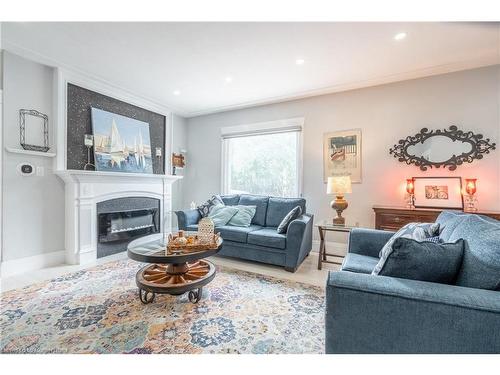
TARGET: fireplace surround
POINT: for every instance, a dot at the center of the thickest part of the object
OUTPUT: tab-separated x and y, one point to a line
90	193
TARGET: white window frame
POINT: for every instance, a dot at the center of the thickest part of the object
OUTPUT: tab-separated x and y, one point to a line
261	128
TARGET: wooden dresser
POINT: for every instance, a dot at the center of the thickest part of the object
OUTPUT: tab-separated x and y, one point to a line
393	218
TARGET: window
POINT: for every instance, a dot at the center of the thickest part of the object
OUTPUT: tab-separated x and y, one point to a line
262	160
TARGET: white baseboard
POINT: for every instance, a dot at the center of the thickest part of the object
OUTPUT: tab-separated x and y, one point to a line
27	264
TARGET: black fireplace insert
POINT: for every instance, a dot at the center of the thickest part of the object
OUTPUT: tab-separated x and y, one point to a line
126	225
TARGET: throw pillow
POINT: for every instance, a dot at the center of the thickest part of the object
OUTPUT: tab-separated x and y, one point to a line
416	231
292	215
425	261
243	217
221	214
435	239
205	208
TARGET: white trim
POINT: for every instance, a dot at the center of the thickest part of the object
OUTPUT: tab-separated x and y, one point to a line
1	160
258	128
374	81
32	263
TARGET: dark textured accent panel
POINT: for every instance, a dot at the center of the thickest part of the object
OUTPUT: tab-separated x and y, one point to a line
79	102
123	204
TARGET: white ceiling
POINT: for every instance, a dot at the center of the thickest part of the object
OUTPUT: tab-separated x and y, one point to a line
156	59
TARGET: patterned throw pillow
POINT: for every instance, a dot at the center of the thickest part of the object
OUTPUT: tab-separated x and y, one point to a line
415	231
435	239
204	209
292	215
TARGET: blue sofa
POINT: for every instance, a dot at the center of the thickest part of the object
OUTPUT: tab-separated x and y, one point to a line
379	314
260	241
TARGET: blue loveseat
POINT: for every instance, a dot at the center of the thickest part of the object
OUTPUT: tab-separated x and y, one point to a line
380	314
260	241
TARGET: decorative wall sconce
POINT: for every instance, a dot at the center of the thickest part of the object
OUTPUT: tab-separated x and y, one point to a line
177	162
89	143
470	200
410	189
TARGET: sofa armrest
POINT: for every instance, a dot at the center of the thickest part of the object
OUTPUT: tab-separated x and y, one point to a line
379	314
298	241
187	217
368	241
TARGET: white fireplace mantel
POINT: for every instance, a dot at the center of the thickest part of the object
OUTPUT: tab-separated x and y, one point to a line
84	189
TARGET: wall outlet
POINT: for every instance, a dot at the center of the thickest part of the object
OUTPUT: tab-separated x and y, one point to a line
40	171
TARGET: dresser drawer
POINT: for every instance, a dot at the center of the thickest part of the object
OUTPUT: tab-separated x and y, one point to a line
395	220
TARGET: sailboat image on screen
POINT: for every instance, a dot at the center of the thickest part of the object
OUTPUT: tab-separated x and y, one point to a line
121	144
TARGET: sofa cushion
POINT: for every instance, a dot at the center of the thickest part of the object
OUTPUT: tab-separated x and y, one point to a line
424	261
481	262
291	216
448	221
192	228
236	234
244	216
278	208
359	263
267	237
220	214
260	202
230	200
416	231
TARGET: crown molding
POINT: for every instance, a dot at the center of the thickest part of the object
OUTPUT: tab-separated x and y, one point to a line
375	81
72	71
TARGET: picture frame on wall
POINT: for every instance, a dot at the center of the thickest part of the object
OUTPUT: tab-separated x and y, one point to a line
342	154
438	192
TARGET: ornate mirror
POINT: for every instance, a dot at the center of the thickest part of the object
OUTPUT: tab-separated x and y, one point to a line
446	148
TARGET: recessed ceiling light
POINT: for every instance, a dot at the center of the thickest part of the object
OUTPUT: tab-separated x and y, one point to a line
399	36
228	79
300	61
177	92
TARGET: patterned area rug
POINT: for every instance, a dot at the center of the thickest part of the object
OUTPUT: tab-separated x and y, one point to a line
98	311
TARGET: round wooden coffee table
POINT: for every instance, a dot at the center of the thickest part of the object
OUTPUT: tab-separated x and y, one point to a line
172	273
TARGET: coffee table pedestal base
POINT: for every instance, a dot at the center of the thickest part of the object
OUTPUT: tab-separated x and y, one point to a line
174	279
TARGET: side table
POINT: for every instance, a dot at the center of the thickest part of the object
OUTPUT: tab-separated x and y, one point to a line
328	226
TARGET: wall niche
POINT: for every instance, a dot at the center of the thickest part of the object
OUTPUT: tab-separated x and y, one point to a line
80	100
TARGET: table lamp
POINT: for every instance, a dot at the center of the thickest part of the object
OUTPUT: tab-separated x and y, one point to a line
470	189
339	185
410	189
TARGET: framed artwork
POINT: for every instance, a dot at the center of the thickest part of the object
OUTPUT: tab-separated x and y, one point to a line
342	154
121	144
438	192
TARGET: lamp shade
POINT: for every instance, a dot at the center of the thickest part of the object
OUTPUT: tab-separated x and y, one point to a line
339	185
470	185
410	186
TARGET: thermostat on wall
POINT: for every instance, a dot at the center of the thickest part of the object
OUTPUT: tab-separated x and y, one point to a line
26	169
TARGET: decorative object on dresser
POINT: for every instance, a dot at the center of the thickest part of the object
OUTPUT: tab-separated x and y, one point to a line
394	218
438	192
28	119
470	189
410	190
447	148
177	162
342	154
339	185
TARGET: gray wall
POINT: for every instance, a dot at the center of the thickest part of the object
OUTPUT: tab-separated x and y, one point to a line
385	114
179	142
33	206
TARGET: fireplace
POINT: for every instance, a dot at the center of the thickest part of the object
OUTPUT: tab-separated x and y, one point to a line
121	220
